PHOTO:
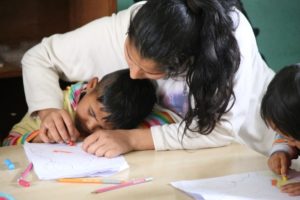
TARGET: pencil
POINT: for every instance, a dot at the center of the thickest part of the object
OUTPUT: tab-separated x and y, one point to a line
124	184
26	171
21	180
284	178
89	180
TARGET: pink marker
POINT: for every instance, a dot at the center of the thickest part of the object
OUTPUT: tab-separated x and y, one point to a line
22	180
124	184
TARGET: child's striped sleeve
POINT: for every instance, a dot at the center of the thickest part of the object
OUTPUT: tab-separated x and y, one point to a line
281	144
15	138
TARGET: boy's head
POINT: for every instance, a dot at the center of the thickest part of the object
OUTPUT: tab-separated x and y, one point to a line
114	102
280	108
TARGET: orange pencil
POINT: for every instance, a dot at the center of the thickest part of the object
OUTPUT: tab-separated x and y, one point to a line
89	180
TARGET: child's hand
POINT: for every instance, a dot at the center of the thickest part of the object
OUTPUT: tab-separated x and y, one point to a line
293	189
107	143
56	126
279	163
111	143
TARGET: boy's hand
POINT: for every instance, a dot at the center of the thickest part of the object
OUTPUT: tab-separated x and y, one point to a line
279	163
111	143
107	143
56	126
293	189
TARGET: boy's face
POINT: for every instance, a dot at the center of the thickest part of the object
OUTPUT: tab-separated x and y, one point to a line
89	115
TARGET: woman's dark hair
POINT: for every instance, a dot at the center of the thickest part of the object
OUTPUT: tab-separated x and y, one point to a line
127	100
281	103
192	38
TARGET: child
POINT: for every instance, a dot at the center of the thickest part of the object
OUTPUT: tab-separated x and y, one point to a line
280	110
115	102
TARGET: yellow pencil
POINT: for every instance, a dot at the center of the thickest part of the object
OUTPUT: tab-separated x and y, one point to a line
89	180
284	178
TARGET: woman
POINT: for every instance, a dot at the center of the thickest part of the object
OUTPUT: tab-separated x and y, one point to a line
202	53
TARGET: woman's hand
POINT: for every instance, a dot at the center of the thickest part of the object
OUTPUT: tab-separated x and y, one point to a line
279	162
293	189
56	126
111	143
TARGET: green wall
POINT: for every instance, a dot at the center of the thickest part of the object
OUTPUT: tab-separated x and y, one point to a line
279	25
122	4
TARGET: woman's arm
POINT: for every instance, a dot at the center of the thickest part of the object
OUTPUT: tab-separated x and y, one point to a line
92	50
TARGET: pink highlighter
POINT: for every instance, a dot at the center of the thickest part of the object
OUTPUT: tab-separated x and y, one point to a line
21	180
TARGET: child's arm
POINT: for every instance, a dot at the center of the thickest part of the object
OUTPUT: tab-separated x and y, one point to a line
22	131
279	162
111	143
281	156
57	126
15	138
293	189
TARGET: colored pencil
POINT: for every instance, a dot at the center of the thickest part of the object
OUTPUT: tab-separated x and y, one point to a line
26	171
122	185
89	180
21	180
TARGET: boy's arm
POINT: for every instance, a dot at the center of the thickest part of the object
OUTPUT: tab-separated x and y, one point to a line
15	138
158	117
23	131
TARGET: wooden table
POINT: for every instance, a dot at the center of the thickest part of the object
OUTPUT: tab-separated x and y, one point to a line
10	71
163	166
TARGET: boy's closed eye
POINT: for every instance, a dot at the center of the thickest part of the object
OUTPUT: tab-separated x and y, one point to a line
93	115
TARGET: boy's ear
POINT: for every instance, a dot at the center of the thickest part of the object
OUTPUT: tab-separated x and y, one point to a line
92	83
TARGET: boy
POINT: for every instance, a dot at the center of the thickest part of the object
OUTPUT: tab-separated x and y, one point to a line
280	109
114	102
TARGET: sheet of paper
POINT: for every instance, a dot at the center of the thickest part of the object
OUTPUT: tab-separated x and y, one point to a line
246	186
52	161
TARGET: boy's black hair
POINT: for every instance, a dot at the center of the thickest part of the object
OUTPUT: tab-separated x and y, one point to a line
127	100
281	103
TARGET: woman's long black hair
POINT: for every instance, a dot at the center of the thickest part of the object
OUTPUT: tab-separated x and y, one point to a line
192	38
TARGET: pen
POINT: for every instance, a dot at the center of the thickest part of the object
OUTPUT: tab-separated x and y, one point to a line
9	164
22	180
124	184
89	180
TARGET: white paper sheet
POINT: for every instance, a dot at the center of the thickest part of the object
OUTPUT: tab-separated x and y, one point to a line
52	161
246	186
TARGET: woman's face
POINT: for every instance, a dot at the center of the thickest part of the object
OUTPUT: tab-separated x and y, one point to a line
141	68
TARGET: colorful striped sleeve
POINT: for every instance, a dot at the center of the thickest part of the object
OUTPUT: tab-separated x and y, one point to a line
280	144
157	118
15	138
